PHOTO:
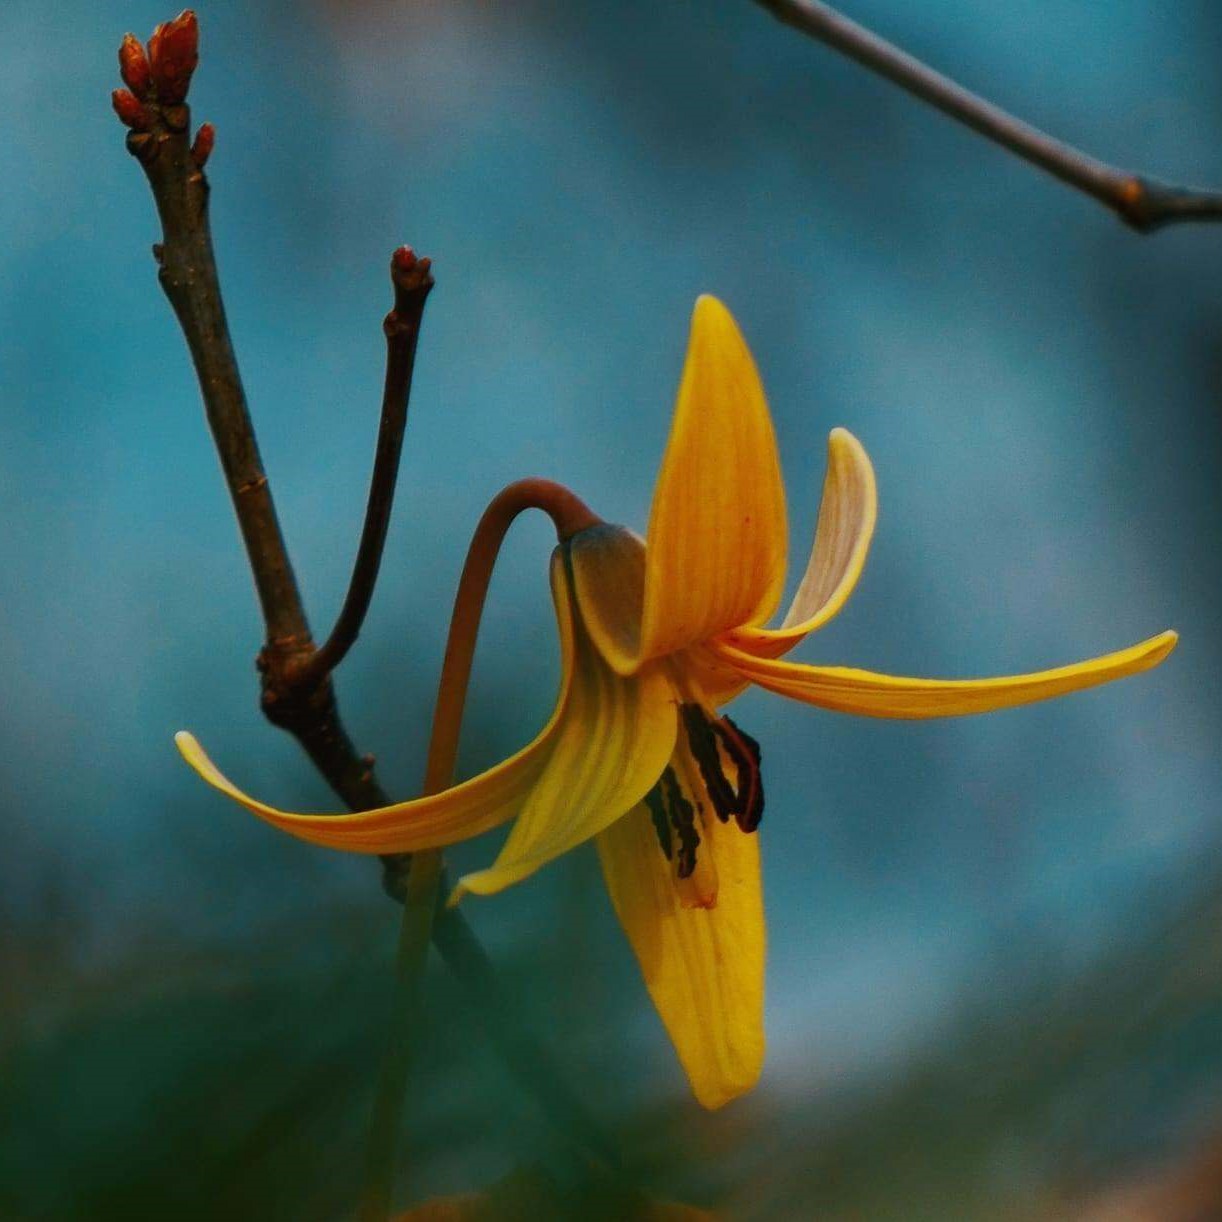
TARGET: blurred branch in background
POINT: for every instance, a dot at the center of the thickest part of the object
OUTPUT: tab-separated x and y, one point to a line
1144	204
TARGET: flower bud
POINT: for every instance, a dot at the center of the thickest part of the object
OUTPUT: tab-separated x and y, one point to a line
131	110
205	140
173	55
134	66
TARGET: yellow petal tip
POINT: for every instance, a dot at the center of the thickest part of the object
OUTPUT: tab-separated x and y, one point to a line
708	307
717	1092
1162	645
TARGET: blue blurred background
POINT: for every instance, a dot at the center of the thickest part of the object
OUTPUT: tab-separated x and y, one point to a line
995	977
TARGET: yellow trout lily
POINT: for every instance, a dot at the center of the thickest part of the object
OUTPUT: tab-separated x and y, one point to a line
656	635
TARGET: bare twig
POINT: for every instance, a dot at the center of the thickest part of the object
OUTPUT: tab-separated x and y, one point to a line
1142	203
413	281
154	108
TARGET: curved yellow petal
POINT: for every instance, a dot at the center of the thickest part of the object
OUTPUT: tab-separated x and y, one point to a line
615	740
716	538
845	527
608	567
846	690
703	967
439	819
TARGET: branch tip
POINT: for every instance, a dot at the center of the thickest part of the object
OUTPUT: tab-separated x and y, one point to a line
410	274
173	54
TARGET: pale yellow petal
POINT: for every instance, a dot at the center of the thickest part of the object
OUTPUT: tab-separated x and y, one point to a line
614	743
872	695
466	810
843	532
716	538
608	567
703	967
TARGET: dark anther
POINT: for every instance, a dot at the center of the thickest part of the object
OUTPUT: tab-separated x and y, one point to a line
683	819
671	811
703	742
745	752
661	825
707	739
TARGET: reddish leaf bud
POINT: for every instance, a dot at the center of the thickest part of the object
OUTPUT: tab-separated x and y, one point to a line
173	54
130	110
205	141
404	259
134	66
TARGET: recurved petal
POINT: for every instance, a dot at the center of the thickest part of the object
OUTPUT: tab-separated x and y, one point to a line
458	813
615	740
703	967
846	690
843	532
716	538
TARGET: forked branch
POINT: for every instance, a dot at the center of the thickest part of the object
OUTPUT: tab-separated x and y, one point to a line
297	693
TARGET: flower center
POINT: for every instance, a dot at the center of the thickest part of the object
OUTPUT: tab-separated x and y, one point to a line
725	777
674	821
720	748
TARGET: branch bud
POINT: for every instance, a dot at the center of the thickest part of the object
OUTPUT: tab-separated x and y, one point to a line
410	273
134	66
131	111
205	141
173	55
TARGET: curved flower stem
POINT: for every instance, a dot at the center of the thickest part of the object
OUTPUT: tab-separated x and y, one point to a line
425	876
1142	203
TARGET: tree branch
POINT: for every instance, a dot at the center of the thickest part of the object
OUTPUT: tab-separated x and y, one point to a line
154	108
159	140
1144	204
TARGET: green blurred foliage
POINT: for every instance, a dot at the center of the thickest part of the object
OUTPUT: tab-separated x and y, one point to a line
236	1084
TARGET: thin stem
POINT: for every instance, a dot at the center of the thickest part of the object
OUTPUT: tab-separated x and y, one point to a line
1142	203
413	282
415	930
526	1056
425	877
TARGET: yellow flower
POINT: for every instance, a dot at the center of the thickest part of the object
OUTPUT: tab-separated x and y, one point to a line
656	636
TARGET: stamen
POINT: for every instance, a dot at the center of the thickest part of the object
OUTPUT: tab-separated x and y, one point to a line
703	743
683	819
708	738
661	826
745	752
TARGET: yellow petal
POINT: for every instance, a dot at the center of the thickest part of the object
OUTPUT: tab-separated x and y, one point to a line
716	554
703	967
871	695
608	567
430	822
615	740
845	526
